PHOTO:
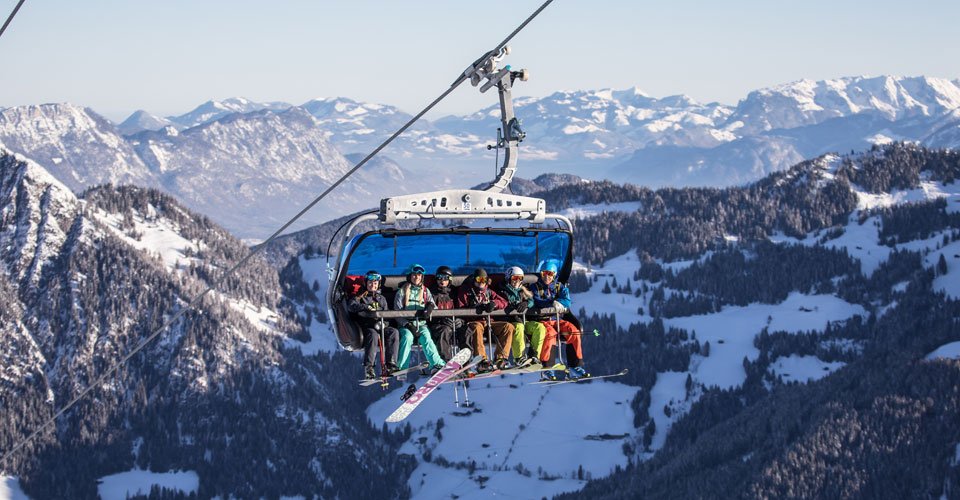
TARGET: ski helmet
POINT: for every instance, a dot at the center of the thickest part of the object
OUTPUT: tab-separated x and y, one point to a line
549	266
514	271
416	268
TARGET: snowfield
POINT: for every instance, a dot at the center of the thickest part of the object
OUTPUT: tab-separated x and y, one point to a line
949	351
529	440
126	484
10	489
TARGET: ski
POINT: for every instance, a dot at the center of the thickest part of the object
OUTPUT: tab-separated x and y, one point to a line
551	383
508	371
533	369
449	370
381	379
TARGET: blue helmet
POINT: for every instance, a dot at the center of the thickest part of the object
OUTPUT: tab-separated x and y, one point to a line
415	268
550	265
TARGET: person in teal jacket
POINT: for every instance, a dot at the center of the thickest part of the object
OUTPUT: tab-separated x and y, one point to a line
519	300
413	295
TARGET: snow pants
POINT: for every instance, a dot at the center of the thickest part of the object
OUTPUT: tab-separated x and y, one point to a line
444	336
426	342
570	335
532	329
502	337
370	341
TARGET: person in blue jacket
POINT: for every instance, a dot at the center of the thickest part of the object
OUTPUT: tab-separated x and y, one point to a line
547	292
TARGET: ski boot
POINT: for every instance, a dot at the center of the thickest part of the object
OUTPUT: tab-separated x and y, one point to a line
369	373
548	375
575	372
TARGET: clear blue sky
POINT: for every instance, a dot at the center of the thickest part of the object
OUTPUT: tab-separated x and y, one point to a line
169	56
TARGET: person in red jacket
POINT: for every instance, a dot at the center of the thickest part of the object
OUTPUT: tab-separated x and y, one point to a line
475	293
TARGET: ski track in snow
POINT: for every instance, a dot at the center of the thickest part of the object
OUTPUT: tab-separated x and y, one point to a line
535	427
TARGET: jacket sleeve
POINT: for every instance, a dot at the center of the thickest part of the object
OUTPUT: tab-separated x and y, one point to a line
563	295
428	298
498	300
462	298
354	305
398	299
382	301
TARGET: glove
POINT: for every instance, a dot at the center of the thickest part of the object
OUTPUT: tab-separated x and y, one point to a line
490	306
428	312
520	307
559	307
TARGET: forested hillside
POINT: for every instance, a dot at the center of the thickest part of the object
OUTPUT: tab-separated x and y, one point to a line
879	426
222	392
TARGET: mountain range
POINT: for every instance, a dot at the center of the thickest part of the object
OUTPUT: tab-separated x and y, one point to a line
796	336
251	165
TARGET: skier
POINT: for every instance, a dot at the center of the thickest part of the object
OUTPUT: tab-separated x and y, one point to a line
370	299
474	293
413	295
519	299
446	330
549	293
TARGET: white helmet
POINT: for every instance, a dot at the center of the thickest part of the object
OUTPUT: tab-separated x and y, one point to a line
514	271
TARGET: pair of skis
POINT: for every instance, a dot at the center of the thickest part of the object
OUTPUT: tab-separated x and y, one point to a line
551	383
382	380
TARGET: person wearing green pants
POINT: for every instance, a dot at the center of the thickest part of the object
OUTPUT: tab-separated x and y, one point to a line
520	299
413	295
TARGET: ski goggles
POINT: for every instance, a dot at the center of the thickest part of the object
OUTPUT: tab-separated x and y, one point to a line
416	270
547	274
444	277
516	278
373	277
481	279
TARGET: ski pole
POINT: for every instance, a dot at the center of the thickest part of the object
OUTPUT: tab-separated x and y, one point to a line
456	397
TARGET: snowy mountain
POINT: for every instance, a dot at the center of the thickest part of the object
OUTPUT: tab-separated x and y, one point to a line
141	120
248	171
236	158
787	335
84	280
213	110
78	146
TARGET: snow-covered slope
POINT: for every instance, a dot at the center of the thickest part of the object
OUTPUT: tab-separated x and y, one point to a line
84	280
524	439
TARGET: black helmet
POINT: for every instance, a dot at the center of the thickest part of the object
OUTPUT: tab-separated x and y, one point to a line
444	270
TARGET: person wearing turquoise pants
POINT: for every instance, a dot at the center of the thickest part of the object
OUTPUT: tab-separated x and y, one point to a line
520	299
413	295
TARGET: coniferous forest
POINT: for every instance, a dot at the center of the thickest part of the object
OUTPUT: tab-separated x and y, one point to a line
257	418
